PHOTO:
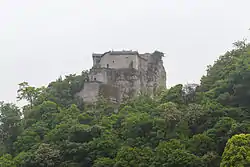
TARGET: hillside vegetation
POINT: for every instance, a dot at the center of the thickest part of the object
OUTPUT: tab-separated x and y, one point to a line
184	126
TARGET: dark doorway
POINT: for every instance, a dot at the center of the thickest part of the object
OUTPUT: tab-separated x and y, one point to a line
107	65
131	65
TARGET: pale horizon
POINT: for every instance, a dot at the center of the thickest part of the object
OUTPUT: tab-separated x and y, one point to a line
42	40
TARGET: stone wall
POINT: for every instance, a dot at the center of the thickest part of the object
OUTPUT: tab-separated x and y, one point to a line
120	82
143	61
90	92
98	74
110	92
128	81
93	90
96	58
119	61
156	74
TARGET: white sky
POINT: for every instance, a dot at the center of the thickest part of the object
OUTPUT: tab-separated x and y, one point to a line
43	39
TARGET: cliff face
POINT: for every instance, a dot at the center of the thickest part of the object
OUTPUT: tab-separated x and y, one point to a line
123	83
148	79
156	74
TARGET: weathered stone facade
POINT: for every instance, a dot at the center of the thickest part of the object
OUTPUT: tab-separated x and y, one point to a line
118	75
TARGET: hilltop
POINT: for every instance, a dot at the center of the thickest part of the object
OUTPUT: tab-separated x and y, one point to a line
187	125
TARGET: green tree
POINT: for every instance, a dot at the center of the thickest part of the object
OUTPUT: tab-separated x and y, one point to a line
185	125
171	114
228	79
10	126
173	154
7	161
26	141
104	162
221	132
47	156
174	94
201	144
133	157
237	151
25	159
29	93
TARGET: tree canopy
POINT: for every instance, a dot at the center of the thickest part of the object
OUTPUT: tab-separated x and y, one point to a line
204	125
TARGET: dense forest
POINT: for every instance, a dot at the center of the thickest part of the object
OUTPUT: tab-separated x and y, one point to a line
205	125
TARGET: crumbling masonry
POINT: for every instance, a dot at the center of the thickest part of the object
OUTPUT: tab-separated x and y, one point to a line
118	75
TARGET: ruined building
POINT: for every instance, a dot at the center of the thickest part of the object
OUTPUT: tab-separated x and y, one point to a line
118	75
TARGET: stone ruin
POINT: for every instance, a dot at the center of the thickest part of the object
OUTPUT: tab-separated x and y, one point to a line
119	75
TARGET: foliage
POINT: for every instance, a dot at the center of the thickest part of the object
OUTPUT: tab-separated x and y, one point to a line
10	121
173	154
7	161
237	151
29	93
228	79
191	125
129	156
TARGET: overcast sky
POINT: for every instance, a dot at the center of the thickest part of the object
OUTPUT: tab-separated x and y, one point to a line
43	39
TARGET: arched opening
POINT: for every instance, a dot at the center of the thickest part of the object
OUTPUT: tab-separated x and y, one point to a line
107	65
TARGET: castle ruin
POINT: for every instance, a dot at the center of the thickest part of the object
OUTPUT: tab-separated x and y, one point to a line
119	75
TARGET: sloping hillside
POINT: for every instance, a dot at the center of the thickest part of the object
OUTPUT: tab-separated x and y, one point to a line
182	126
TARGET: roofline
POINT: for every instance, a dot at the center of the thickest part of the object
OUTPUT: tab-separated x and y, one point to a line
134	53
101	55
